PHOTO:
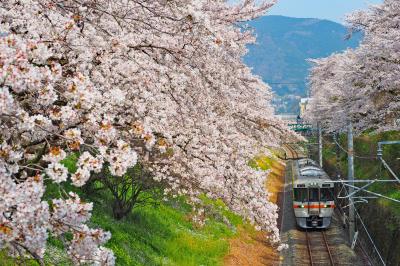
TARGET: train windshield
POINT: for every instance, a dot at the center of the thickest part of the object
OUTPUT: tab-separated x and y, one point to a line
326	194
313	194
300	194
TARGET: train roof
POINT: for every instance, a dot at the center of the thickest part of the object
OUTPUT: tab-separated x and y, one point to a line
311	171
310	174
306	161
313	181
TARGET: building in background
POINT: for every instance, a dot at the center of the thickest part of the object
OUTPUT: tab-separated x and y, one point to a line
289	118
303	105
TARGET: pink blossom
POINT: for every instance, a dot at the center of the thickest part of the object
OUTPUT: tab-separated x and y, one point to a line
57	172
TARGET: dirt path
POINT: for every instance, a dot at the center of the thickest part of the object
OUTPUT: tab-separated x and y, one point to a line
251	248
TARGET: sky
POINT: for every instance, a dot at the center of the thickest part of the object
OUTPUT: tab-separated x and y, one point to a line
324	9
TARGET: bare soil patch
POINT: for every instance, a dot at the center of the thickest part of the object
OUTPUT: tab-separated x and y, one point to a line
252	248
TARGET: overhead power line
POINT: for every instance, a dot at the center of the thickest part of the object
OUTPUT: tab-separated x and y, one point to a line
347	152
365	228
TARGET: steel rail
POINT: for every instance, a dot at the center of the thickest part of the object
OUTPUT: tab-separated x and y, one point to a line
294	153
309	248
290	150
327	248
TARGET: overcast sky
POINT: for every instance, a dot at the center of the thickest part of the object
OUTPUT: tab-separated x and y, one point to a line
324	9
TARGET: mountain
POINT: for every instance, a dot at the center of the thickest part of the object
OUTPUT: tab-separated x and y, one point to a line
283	46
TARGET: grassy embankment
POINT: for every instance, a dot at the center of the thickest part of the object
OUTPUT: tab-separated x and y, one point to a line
159	234
382	216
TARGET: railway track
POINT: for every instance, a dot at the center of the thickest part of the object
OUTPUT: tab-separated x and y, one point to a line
291	152
312	247
318	249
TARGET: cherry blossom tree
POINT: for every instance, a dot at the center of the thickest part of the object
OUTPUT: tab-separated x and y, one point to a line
362	85
120	81
36	135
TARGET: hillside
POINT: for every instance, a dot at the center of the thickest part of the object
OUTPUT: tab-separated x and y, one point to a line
283	46
385	233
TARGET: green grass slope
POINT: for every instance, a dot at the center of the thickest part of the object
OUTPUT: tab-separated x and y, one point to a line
161	233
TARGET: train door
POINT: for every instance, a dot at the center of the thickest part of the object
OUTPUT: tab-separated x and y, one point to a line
313	195
314	208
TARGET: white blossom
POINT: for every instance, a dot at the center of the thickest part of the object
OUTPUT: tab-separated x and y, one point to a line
55	155
171	92
121	158
57	172
362	84
80	177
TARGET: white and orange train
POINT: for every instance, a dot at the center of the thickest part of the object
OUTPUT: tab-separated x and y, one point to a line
313	201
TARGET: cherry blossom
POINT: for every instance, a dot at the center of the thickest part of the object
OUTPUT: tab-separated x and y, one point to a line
361	85
27	131
57	172
117	82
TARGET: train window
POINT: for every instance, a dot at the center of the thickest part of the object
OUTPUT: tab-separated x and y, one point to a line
300	194
326	194
313	194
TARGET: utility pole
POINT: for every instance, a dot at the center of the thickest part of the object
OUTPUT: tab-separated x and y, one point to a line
350	174
320	145
337	153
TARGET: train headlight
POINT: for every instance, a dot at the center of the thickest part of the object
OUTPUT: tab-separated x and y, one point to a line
302	206
325	206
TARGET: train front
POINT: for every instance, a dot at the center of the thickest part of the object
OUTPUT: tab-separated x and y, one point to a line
313	202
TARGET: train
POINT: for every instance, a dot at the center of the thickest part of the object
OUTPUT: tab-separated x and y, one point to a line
313	200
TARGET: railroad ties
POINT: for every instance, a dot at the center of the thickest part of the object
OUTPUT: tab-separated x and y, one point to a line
292	152
319	252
